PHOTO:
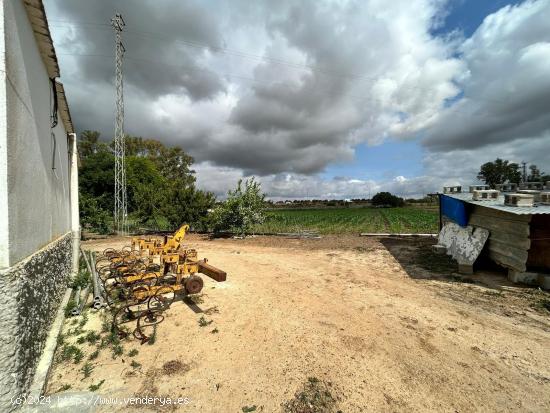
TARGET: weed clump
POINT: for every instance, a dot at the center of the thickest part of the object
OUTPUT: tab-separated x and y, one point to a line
203	322
314	397
95	387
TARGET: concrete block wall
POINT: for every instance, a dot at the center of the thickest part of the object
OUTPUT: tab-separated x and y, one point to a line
31	292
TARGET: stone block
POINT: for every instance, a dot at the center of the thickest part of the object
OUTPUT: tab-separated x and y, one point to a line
533	192
507	187
452	189
519	200
530	278
531	185
485	195
545	198
479	188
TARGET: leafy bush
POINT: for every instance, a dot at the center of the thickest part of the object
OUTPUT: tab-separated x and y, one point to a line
160	185
387	199
243	208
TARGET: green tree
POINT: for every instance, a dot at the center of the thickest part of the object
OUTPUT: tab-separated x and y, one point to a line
387	199
243	208
499	171
536	175
160	184
146	191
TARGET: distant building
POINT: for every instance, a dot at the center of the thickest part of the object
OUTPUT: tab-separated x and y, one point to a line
38	193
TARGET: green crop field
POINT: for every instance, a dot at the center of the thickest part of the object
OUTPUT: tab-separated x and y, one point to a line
351	220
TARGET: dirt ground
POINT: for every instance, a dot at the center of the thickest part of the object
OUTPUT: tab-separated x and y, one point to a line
344	323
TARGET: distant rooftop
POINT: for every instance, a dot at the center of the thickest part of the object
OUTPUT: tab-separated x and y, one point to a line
499	204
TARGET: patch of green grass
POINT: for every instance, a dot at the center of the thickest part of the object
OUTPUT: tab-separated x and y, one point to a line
118	350
95	387
106	324
71	305
110	339
94	355
87	369
542	304
65	387
248	409
133	352
203	322
83	320
135	364
153	337
71	352
81	280
92	337
60	339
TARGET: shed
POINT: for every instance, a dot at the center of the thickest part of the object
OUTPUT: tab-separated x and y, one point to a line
519	237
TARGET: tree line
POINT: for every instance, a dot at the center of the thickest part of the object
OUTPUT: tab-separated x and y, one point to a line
502	171
161	191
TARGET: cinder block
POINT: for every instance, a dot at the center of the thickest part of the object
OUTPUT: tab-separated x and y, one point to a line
545	198
531	185
530	278
519	200
452	189
479	188
507	187
535	193
485	195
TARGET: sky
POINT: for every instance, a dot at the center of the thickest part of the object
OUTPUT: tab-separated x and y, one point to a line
318	99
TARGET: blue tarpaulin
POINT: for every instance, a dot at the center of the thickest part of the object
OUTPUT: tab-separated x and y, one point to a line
454	209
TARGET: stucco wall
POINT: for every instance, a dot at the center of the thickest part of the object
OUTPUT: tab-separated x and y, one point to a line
38	194
30	294
4	219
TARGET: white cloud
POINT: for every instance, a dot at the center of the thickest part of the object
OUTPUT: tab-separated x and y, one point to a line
338	74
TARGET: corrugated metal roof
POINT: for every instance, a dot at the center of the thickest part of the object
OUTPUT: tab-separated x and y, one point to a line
499	204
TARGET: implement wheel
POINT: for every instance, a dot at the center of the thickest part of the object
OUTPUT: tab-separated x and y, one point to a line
193	284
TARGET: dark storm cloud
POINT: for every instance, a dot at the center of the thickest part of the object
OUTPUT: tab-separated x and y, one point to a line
336	74
299	110
157	61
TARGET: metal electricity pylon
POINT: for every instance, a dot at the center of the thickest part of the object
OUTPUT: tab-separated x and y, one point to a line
121	208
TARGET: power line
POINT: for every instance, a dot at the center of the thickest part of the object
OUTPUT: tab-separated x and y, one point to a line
357	98
234	52
256	57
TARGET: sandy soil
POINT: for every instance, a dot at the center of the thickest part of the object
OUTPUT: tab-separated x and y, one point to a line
383	325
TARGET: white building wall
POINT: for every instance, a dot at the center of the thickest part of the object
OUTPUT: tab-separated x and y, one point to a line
37	157
4	217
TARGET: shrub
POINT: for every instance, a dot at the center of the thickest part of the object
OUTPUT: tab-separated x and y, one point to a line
387	199
243	208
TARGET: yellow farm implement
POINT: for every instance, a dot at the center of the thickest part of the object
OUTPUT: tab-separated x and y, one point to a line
142	280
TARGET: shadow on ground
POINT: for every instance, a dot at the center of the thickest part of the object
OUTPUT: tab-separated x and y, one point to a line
488	287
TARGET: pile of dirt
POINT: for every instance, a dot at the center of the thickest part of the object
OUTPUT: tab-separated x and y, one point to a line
174	367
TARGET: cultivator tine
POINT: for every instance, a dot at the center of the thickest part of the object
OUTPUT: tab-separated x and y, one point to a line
139	282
